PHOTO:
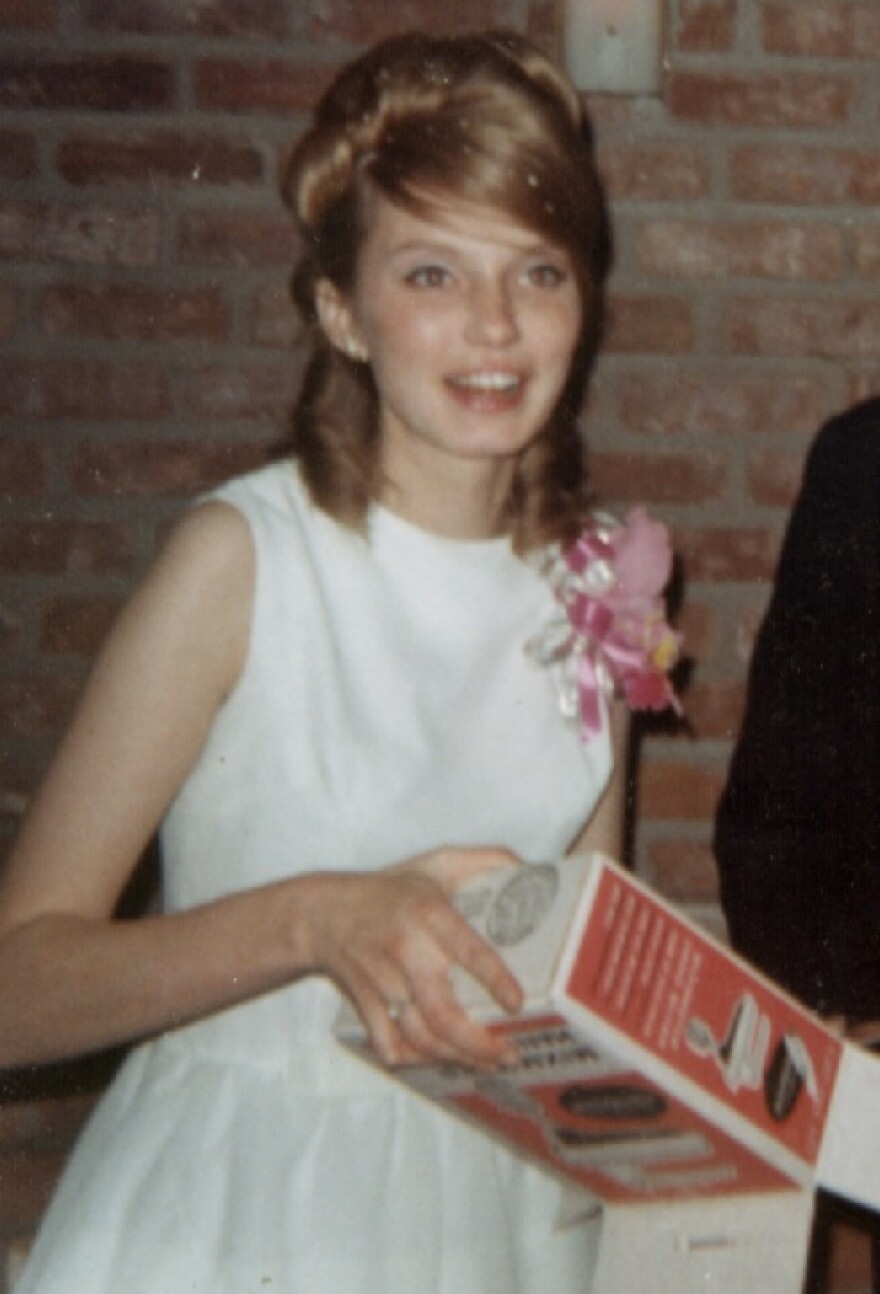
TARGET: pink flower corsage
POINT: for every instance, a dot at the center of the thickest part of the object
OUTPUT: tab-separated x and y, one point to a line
610	636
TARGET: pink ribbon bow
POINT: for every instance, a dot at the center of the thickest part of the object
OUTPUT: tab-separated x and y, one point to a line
611	636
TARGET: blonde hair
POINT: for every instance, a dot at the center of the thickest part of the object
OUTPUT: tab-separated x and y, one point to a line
486	120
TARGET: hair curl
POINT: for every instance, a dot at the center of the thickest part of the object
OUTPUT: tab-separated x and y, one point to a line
485	120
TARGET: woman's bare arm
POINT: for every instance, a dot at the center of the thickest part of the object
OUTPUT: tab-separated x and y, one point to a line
72	979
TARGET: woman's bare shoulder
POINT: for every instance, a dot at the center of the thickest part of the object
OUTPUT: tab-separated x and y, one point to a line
174	654
201	585
212	537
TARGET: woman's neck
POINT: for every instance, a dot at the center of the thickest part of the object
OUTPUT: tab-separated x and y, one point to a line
456	497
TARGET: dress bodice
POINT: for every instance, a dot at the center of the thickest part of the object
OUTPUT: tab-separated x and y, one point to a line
387	707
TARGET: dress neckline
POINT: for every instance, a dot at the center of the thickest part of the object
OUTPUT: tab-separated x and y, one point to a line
383	522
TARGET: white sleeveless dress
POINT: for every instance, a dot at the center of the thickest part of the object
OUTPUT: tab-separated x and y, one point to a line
386	707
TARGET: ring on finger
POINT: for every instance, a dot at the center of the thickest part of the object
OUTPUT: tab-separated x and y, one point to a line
396	1007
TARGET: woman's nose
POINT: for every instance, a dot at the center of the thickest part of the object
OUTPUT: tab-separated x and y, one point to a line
492	317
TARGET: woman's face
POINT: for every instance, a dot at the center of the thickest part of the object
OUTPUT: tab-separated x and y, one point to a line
469	322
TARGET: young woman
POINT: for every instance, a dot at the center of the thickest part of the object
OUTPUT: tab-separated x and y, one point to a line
321	694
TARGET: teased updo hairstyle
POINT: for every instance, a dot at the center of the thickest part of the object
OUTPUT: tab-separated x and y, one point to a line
485	120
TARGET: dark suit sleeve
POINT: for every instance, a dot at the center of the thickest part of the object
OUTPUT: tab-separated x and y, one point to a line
796	836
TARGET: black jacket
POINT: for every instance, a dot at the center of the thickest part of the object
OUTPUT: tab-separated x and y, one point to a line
797	835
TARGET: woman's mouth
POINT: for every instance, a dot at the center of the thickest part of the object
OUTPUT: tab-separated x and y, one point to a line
488	391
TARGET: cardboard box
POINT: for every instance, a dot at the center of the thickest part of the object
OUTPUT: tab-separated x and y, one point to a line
660	1072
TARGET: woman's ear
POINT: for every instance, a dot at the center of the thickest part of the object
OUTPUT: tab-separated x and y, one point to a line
335	317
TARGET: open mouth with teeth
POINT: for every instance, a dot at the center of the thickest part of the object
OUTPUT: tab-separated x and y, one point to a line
487	390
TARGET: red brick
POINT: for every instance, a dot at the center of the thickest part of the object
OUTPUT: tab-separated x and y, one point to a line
655	171
35	706
714	710
18	155
261	393
274	320
746	625
79	235
116	311
716	403
45	1124
774	477
64	547
76	626
86	83
694	249
683	870
157	158
822	29
867	251
730	553
368	20
29	15
18	780
607	110
705	26
9	310
83	389
794	99
823	328
26	1183
697	623
542	25
23	468
274	85
156	467
672	790
861	385
805	175
13	626
659	478
240	239
849	1264
650	324
237	19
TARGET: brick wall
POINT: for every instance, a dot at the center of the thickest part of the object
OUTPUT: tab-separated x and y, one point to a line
148	348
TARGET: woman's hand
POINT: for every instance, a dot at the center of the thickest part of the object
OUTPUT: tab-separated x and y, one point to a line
389	940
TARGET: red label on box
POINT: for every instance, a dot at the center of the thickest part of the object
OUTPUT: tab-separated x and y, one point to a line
661	983
650	1149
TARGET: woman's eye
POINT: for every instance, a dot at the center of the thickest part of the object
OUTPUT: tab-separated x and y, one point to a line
428	276
546	275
